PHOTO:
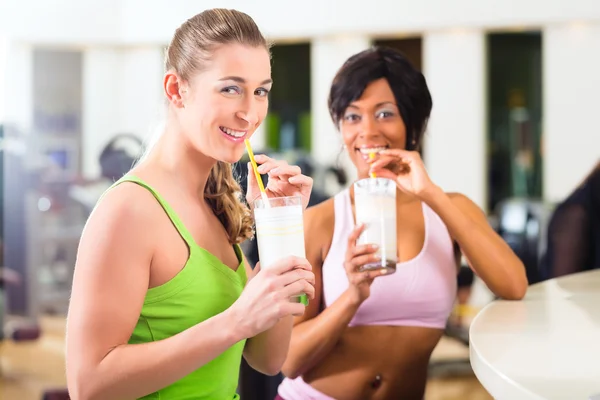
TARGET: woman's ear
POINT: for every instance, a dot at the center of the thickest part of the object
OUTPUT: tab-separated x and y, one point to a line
175	89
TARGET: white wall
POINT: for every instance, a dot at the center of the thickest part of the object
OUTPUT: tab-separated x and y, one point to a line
79	22
102	103
3	77
153	21
571	95
18	92
454	64
57	88
122	94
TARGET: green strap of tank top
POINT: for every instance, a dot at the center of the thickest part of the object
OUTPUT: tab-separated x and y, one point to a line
168	209
185	233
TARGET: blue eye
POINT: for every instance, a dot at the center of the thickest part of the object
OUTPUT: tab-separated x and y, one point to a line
231	90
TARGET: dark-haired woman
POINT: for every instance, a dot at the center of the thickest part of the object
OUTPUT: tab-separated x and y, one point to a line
367	336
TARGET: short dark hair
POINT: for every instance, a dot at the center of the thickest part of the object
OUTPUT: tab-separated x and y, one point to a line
407	83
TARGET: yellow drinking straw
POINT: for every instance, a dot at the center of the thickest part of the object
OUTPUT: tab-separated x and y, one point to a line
257	174
303	298
371	157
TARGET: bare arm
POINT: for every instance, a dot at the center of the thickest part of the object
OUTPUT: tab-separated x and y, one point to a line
488	254
315	334
267	351
110	282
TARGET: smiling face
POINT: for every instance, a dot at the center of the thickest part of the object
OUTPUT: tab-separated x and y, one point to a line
379	100
224	103
372	123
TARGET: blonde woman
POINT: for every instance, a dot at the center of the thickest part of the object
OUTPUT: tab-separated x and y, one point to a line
162	304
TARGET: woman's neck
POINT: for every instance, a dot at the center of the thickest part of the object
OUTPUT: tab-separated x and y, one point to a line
175	156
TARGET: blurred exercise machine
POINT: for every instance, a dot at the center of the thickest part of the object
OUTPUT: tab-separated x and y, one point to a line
118	156
45	204
523	224
13	274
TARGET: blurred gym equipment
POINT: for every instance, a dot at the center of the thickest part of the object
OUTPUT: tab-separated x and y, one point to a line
116	159
46	204
523	224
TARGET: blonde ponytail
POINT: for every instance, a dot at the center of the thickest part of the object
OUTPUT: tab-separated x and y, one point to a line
224	195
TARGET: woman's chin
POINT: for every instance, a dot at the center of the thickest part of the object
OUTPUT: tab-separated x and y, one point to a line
231	158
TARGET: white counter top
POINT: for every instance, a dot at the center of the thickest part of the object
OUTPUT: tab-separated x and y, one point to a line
546	346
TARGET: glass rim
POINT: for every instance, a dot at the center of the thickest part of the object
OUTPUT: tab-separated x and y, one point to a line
260	201
376	187
375	179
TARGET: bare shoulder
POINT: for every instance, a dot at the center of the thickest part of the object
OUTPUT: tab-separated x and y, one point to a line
115	250
320	218
464	202
469	207
127	199
127	210
111	276
319	222
456	196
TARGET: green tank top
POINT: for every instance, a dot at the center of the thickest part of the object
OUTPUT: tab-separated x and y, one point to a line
204	288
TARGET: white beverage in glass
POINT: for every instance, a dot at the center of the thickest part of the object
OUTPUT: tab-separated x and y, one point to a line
279	230
375	206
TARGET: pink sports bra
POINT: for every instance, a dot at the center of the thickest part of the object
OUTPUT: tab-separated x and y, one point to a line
420	293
